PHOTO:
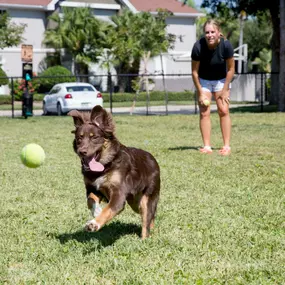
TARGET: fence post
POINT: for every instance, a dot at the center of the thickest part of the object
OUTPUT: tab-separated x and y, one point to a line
261	93
111	91
147	94
164	87
13	99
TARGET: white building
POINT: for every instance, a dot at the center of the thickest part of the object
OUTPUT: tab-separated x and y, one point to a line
34	14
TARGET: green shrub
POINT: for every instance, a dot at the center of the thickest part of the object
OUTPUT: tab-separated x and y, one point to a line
54	75
19	87
3	80
38	97
154	96
5	99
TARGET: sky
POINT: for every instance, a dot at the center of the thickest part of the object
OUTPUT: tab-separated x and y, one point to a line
198	2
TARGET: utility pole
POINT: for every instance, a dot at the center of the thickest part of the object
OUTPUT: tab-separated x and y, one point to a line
242	17
27	74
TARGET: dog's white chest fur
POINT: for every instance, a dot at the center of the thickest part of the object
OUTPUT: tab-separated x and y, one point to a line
99	182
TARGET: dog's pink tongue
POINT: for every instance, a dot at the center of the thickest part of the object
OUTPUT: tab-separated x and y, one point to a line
95	165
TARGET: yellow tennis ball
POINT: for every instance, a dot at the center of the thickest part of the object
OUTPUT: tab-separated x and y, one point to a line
206	102
32	155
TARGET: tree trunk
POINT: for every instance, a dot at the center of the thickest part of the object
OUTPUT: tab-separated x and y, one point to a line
146	57
125	82
83	71
281	102
275	45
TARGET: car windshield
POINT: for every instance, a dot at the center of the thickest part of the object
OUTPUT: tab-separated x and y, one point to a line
79	89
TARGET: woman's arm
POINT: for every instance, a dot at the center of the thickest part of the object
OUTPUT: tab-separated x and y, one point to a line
195	76
230	72
225	95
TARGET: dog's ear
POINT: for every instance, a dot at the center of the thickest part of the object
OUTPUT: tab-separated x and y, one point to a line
97	116
102	119
78	117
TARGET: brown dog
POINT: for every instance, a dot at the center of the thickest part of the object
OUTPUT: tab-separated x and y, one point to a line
114	172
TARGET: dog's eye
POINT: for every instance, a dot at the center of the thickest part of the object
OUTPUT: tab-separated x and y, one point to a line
94	138
79	140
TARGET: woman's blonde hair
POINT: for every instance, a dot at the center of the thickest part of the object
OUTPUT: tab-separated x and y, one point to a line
215	23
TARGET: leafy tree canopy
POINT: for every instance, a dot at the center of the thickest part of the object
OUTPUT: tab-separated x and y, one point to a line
77	31
135	34
3	77
10	33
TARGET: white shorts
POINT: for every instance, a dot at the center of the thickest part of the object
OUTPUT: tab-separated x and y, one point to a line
212	85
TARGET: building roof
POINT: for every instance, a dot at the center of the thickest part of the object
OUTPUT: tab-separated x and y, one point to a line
152	5
174	6
26	2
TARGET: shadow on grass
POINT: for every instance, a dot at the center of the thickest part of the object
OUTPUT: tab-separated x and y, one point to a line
255	109
185	148
196	148
106	236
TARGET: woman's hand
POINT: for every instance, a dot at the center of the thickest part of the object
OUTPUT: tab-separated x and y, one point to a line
203	99
225	97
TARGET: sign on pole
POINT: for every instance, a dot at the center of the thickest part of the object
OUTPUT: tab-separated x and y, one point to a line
27	53
27	71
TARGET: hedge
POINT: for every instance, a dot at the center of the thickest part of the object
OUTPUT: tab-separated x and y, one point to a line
124	97
154	96
5	99
3	77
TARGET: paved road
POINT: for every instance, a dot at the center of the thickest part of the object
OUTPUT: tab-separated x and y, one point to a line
153	110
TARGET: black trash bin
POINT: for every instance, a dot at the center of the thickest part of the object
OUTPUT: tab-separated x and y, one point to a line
27	104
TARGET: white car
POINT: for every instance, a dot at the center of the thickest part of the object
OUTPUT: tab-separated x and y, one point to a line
65	97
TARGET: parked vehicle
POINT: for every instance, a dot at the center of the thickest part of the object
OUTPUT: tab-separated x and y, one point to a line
65	97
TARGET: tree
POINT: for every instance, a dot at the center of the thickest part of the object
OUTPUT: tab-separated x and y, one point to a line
190	3
10	33
79	33
151	39
138	36
257	34
264	60
122	43
3	77
281	102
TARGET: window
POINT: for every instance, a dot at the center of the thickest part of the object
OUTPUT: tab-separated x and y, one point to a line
79	88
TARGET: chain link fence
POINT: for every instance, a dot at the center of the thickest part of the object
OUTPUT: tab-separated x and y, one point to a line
152	94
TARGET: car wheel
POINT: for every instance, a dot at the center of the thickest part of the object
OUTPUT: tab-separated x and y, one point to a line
59	110
45	111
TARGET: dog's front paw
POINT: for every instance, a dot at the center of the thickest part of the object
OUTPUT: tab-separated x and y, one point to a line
92	226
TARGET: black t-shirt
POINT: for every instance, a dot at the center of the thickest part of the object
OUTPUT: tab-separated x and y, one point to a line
213	64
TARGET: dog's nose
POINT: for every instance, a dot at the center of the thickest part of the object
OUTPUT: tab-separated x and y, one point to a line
83	152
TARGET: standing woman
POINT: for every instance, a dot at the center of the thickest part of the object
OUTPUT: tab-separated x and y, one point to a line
213	68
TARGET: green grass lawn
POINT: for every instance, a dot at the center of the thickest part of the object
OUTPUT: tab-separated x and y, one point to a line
152	103
18	106
220	220
38	105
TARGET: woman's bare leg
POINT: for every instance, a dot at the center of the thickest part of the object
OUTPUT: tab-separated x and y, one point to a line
205	121
225	120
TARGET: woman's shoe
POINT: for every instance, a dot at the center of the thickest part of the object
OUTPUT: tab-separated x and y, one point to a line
225	150
206	149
